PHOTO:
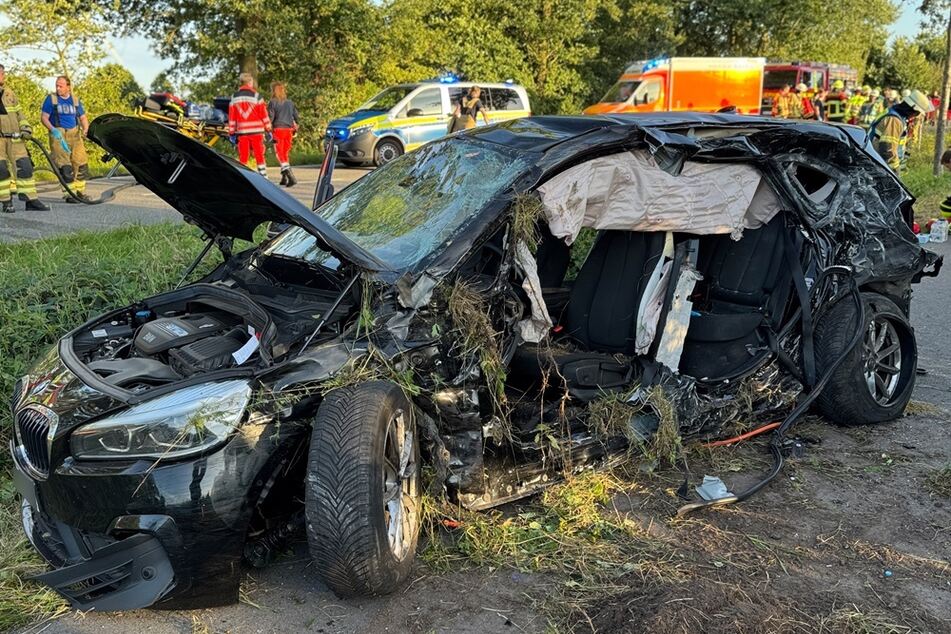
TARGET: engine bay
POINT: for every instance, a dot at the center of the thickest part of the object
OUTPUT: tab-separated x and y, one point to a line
234	324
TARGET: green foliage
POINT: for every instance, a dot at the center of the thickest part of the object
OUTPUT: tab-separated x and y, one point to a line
59	37
928	189
334	54
46	288
841	32
905	64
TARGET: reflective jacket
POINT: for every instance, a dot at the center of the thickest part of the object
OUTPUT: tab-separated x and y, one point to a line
835	106
854	106
787	106
888	134
247	113
13	121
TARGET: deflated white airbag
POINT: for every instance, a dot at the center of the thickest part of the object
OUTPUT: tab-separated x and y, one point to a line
629	192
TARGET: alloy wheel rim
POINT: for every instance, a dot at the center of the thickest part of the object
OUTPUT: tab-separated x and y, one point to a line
387	153
400	484
883	360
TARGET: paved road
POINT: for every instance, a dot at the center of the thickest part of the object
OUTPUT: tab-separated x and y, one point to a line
133	205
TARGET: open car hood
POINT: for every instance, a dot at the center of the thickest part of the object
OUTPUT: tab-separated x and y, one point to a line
212	191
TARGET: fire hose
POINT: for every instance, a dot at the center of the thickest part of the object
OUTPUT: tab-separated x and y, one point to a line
107	195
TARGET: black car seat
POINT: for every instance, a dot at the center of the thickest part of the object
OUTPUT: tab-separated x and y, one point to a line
601	316
746	287
602	308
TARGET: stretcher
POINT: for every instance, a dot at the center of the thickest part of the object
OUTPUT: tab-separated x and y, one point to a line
208	132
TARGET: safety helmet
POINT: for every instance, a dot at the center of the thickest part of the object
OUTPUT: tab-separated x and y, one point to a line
801	87
866	89
905	93
838	84
918	101
875	92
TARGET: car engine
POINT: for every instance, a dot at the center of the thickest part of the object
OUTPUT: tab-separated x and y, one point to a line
143	350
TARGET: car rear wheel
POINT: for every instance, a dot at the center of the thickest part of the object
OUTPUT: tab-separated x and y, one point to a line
875	380
386	151
363	493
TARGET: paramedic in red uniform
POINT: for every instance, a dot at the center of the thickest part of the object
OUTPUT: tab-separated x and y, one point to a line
283	114
248	123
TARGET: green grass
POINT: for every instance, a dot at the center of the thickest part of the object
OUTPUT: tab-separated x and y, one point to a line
46	288
929	190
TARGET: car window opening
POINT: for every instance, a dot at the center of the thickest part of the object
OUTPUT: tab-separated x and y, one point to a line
690	268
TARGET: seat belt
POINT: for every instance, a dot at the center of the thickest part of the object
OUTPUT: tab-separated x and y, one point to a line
802	294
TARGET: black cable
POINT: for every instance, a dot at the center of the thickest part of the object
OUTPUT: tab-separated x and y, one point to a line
109	194
779	436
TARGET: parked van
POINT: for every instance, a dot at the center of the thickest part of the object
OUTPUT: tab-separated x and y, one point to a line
404	117
699	84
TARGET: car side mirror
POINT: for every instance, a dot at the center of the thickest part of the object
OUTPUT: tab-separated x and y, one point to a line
414	112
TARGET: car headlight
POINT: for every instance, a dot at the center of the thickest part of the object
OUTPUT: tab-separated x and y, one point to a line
185	422
363	129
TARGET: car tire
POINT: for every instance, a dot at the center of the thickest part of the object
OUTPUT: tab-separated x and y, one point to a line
874	382
364	449
386	150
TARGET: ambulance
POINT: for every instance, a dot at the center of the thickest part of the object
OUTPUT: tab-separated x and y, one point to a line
700	84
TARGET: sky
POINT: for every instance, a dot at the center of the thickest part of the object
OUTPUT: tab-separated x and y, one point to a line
135	53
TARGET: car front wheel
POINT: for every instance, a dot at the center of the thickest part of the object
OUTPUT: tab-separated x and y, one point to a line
874	382
363	493
386	151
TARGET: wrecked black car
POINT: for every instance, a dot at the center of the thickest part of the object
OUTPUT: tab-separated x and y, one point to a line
482	307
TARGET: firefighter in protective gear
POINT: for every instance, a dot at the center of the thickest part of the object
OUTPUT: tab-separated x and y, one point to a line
787	105
835	103
14	159
65	118
807	107
889	133
853	106
248	122
872	109
945	206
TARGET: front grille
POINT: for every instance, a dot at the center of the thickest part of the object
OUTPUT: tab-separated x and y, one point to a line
33	427
18	389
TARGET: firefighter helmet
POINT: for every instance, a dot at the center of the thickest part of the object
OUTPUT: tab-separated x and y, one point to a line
918	101
838	84
801	87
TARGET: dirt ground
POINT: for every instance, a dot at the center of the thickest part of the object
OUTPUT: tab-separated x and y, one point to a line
851	538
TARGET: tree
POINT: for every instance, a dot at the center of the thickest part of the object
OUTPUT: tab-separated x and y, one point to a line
938	12
61	37
904	65
109	88
842	32
629	30
163	83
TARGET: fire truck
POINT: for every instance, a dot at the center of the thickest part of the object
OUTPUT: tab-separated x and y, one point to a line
816	75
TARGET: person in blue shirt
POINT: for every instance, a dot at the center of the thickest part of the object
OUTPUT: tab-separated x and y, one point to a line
64	116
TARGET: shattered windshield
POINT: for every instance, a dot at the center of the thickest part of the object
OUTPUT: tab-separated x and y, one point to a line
402	212
387	99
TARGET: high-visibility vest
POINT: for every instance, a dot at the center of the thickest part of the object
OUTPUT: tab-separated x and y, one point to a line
835	107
